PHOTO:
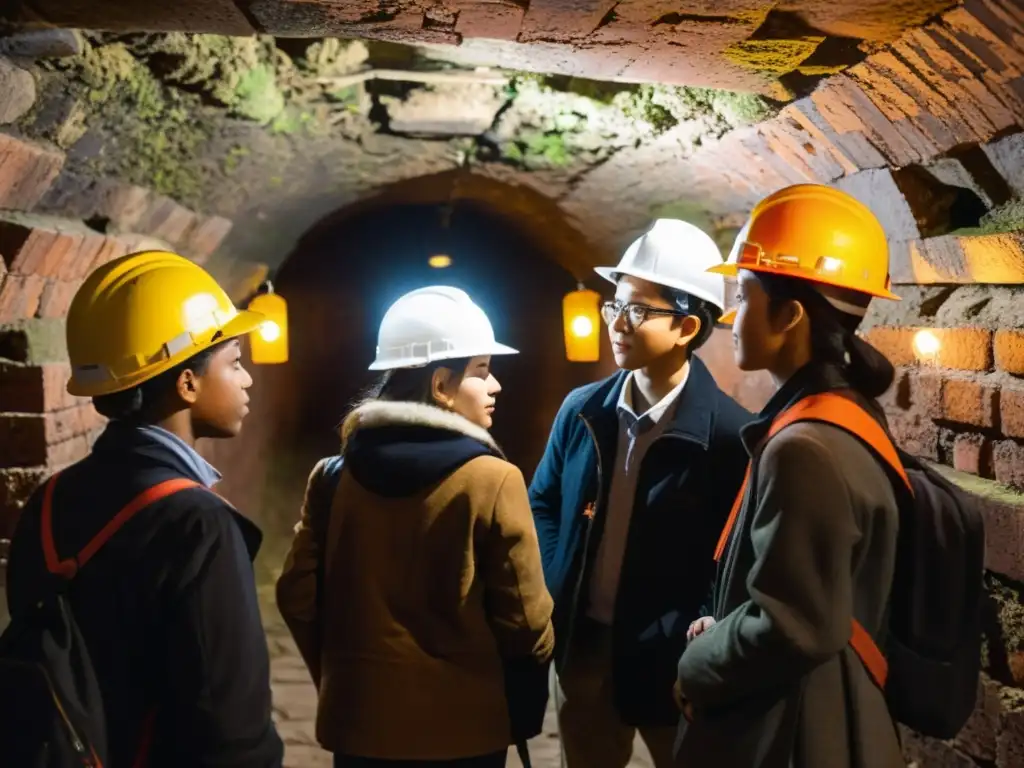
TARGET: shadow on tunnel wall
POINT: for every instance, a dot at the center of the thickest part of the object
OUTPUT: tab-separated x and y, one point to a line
338	282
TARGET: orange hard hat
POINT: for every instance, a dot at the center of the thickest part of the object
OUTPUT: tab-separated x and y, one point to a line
815	233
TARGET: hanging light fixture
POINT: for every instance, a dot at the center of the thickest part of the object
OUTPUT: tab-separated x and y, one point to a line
269	342
581	324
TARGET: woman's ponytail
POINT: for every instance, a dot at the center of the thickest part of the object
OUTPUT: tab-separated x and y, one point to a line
869	371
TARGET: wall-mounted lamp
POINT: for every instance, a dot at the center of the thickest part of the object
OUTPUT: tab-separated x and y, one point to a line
440	261
926	346
581	323
269	342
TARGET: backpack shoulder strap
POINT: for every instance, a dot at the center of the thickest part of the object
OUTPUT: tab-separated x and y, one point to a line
67	568
839	411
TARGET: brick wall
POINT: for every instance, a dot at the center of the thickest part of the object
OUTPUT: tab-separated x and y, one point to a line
962	405
44	258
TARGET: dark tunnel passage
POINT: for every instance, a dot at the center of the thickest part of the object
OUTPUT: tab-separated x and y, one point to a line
340	280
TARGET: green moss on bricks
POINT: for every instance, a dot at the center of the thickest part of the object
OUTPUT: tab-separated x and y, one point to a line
1008	217
152	134
257	96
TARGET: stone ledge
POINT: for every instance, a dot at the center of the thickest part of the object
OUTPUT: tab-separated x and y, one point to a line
996	258
1003	510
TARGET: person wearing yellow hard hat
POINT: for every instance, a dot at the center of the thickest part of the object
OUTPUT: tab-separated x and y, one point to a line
413	587
784	671
157	567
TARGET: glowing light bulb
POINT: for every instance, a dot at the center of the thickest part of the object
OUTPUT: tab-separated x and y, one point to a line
440	261
270	331
926	344
582	326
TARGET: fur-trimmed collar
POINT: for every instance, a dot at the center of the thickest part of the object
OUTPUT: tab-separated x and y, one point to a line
385	413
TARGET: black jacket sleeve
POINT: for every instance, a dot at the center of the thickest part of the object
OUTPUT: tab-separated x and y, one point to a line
218	667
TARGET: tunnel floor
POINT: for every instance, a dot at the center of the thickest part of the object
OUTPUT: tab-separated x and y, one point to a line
295	705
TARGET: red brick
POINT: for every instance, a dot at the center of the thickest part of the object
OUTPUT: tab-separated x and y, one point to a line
22	440
1009	350
26	171
967	349
895	343
496	21
113	248
57	297
916	435
925	392
63	425
19	297
167	220
206	237
972	453
1011	409
47	248
1008	463
21	388
970	402
89	248
36	388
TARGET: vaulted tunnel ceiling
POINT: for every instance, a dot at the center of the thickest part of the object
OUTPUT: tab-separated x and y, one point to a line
761	46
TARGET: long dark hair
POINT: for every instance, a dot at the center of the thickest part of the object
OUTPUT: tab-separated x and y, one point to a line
410	385
833	334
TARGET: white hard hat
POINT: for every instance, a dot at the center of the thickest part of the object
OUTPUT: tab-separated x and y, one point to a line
675	254
434	323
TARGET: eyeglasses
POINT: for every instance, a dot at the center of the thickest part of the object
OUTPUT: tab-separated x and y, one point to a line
636	314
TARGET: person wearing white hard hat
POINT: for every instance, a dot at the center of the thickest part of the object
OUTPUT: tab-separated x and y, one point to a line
639	474
414	587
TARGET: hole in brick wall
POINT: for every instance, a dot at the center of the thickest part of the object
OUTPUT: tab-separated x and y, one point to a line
98	224
938	207
14	345
809	149
983	173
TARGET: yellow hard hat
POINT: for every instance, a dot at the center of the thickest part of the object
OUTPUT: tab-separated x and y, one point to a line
142	314
815	233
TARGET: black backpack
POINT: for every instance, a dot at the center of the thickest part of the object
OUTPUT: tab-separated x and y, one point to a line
932	649
935	610
57	718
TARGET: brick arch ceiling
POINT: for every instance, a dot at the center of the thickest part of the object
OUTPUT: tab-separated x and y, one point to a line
521	206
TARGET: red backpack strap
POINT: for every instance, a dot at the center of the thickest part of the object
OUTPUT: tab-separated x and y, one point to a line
67	568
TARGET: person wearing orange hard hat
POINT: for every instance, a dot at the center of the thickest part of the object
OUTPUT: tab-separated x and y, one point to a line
130	554
783	673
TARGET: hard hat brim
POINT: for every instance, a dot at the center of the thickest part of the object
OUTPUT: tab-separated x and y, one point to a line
418	362
732	270
608	272
246	321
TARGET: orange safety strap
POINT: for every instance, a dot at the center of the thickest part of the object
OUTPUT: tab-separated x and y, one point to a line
68	567
842	412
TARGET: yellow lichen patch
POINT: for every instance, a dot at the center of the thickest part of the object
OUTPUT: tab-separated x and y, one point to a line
775	56
821	70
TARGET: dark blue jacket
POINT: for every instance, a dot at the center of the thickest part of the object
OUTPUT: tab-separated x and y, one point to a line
167	608
688	481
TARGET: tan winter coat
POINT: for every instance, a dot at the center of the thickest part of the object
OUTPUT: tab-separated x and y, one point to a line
433	578
774	683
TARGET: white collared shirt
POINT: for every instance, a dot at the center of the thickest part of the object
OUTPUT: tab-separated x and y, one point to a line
636	433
